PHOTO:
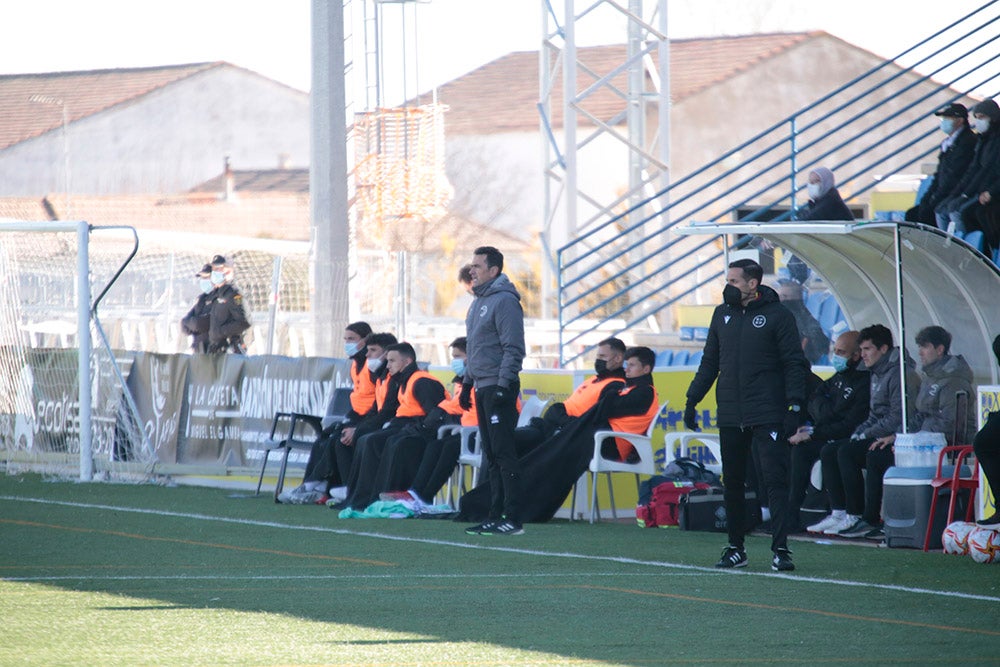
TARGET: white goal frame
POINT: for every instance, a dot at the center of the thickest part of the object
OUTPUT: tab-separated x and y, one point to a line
84	339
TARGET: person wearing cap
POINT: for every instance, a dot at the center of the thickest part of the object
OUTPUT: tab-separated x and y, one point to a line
964	208
228	319
956	153
196	322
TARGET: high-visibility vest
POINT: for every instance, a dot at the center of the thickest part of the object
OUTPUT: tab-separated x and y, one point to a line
381	391
451	406
586	395
409	406
363	393
633	423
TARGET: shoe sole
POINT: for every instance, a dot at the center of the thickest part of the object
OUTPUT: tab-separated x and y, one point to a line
783	569
732	567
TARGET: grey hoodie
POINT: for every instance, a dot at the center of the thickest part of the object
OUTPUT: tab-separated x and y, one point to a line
940	381
885	414
494	330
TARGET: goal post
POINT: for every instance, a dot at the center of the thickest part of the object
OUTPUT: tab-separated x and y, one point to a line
15	353
65	406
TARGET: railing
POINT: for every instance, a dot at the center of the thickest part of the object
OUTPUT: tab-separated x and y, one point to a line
873	126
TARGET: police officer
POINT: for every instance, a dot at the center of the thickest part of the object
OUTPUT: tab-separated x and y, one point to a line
228	319
196	322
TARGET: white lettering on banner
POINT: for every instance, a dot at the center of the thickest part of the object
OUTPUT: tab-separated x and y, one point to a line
212	395
161	429
57	417
261	397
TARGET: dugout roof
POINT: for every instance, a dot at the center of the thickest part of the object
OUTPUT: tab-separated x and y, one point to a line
944	280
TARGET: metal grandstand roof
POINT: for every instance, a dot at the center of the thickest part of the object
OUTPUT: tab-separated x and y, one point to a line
944	280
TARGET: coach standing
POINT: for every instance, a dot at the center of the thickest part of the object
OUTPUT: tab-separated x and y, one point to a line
494	352
755	351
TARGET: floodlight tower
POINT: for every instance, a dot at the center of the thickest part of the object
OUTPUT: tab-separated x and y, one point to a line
584	135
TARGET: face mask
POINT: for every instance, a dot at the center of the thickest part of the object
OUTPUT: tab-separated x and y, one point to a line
206	285
350	349
218	277
732	296
374	365
458	366
947	125
600	366
981	125
813	190
839	363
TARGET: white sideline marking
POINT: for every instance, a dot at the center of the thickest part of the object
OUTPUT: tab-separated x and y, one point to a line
514	550
283	577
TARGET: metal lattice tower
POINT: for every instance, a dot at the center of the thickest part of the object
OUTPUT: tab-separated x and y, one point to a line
578	129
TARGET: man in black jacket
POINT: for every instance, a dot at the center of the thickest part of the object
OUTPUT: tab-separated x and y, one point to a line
981	179
956	154
753	349
416	393
228	318
835	409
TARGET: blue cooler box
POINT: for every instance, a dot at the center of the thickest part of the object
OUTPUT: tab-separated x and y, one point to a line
906	505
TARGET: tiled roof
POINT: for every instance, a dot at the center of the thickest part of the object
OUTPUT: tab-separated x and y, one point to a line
502	95
260	180
83	94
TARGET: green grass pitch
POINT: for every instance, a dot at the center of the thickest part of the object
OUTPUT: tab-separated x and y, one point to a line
107	574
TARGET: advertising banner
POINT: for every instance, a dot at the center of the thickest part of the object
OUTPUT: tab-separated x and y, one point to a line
989	401
158	383
211	418
272	384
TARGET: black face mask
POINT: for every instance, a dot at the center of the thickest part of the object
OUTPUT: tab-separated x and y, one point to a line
732	296
600	366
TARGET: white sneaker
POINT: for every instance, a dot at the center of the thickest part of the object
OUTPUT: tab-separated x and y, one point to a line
286	497
822	525
843	524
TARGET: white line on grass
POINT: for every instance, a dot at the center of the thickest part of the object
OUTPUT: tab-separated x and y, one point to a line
514	550
283	577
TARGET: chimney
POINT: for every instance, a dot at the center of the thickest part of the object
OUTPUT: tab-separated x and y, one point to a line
229	194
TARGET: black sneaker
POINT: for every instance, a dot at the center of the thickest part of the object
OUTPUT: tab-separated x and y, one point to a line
990	522
877	533
503	527
479	528
732	557
859	528
782	561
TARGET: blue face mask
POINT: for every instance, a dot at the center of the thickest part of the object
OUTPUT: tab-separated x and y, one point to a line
458	366
350	349
206	285
838	362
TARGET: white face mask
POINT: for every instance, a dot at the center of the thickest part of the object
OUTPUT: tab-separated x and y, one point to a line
206	285
947	125
374	365
813	190
218	277
981	125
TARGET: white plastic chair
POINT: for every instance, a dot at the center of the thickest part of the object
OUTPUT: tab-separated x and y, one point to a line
471	452
643	444
681	440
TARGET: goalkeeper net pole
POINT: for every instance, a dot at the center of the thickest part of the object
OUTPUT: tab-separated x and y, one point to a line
65	406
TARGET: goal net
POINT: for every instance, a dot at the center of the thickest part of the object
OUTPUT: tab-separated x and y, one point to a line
64	406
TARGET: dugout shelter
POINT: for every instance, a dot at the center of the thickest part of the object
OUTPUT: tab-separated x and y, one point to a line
900	274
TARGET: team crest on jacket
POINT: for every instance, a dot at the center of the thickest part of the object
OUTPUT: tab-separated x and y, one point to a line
759	321
482	311
726	319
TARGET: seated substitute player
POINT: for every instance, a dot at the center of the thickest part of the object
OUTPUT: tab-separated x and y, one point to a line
417	394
